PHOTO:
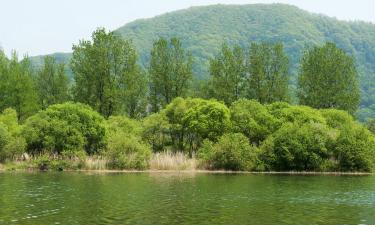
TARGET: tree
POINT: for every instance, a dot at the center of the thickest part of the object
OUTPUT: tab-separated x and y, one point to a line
205	119
52	83
268	68
67	128
252	119
328	79
106	74
17	89
228	74
170	72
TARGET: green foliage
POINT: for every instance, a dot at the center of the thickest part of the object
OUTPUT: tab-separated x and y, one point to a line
268	67
370	124
12	144
231	152
125	149
175	112
206	119
62	128
296	114
127	152
354	149
124	124
337	118
299	147
243	24
260	73
52	83
112	84
17	89
170	72
252	119
155	131
328	79
228	74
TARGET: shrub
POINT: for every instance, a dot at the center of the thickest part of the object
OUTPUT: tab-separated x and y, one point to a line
231	152
370	124
12	144
124	124
155	129
252	119
68	127
174	113
207	119
299	147
337	118
355	149
297	114
127	152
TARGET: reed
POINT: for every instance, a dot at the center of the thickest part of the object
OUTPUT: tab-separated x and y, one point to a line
172	161
95	163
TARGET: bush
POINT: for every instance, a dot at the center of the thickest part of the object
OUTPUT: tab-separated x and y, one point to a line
355	149
207	119
174	113
124	124
155	129
231	152
12	144
127	152
252	119
299	147
337	118
370	124
68	127
297	114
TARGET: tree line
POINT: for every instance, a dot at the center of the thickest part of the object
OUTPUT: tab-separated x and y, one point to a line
107	77
247	136
240	118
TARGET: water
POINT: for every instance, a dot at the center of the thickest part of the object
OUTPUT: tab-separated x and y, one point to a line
167	198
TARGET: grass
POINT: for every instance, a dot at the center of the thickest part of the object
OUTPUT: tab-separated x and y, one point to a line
172	161
158	161
95	163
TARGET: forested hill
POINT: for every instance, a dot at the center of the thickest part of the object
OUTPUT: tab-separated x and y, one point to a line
204	29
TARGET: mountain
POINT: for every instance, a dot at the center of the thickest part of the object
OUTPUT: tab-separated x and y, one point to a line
203	30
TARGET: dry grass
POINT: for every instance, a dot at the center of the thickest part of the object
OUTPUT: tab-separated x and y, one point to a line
172	161
95	163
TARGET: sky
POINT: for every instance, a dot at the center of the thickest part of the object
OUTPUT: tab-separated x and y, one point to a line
38	27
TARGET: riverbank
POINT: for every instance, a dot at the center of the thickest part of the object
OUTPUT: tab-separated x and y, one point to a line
163	162
195	171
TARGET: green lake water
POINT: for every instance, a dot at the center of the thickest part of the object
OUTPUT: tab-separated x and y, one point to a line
192	199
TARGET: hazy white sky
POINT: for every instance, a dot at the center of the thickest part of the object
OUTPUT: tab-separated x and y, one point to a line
46	26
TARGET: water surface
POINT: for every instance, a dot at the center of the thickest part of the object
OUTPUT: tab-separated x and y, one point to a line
184	198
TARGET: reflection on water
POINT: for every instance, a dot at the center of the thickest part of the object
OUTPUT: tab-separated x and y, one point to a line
185	198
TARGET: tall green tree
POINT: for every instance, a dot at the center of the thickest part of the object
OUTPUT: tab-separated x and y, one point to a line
105	71
268	68
328	79
17	89
52	83
170	72
228	74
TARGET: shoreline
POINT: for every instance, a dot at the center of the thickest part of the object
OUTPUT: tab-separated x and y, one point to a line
200	172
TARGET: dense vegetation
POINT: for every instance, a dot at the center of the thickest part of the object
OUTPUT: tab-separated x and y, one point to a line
239	119
203	30
246	136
